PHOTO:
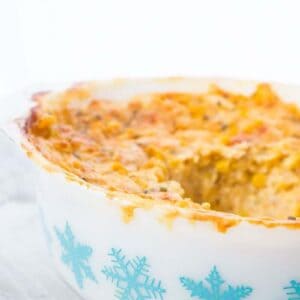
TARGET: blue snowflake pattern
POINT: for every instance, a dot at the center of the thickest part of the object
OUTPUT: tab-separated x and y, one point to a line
214	288
131	278
293	291
75	255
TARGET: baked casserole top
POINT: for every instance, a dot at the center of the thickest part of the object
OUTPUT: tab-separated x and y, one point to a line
216	150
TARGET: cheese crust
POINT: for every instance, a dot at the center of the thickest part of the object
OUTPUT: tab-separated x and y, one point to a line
217	150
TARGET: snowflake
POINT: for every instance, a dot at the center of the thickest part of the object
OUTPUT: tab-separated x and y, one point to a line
131	278
293	291
214	289
75	255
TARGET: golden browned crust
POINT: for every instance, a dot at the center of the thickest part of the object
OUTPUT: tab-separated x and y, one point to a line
218	150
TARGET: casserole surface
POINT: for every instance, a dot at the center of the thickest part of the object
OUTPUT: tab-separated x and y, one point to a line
226	151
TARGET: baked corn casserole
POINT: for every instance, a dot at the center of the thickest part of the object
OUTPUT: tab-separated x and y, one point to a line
216	150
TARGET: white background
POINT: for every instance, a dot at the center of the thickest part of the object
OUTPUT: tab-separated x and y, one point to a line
55	40
44	41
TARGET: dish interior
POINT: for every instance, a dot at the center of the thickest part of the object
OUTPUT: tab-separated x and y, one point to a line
215	150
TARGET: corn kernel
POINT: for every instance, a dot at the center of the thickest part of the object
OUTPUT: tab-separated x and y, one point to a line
46	121
76	164
196	110
258	180
112	126
297	210
233	129
63	146
183	203
223	165
153	151
141	182
118	167
244	112
264	95
254	125
292	162
174	163
283	185
225	139
206	205
160	174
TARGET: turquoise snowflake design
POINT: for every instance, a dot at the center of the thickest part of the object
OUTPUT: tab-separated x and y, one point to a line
75	255
214	288
293	291
131	278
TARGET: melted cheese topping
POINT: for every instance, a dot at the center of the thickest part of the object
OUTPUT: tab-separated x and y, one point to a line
224	151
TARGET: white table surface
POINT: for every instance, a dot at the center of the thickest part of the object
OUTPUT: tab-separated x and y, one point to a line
26	272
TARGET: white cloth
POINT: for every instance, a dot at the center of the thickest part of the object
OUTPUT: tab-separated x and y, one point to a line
26	270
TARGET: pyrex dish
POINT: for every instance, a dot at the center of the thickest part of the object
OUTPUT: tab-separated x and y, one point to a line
110	247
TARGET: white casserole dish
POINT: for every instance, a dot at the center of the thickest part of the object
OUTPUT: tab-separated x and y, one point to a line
111	248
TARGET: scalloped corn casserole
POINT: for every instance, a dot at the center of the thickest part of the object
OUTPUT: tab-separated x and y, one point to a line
217	150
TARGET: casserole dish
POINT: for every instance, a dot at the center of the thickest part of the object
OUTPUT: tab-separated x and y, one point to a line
112	245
